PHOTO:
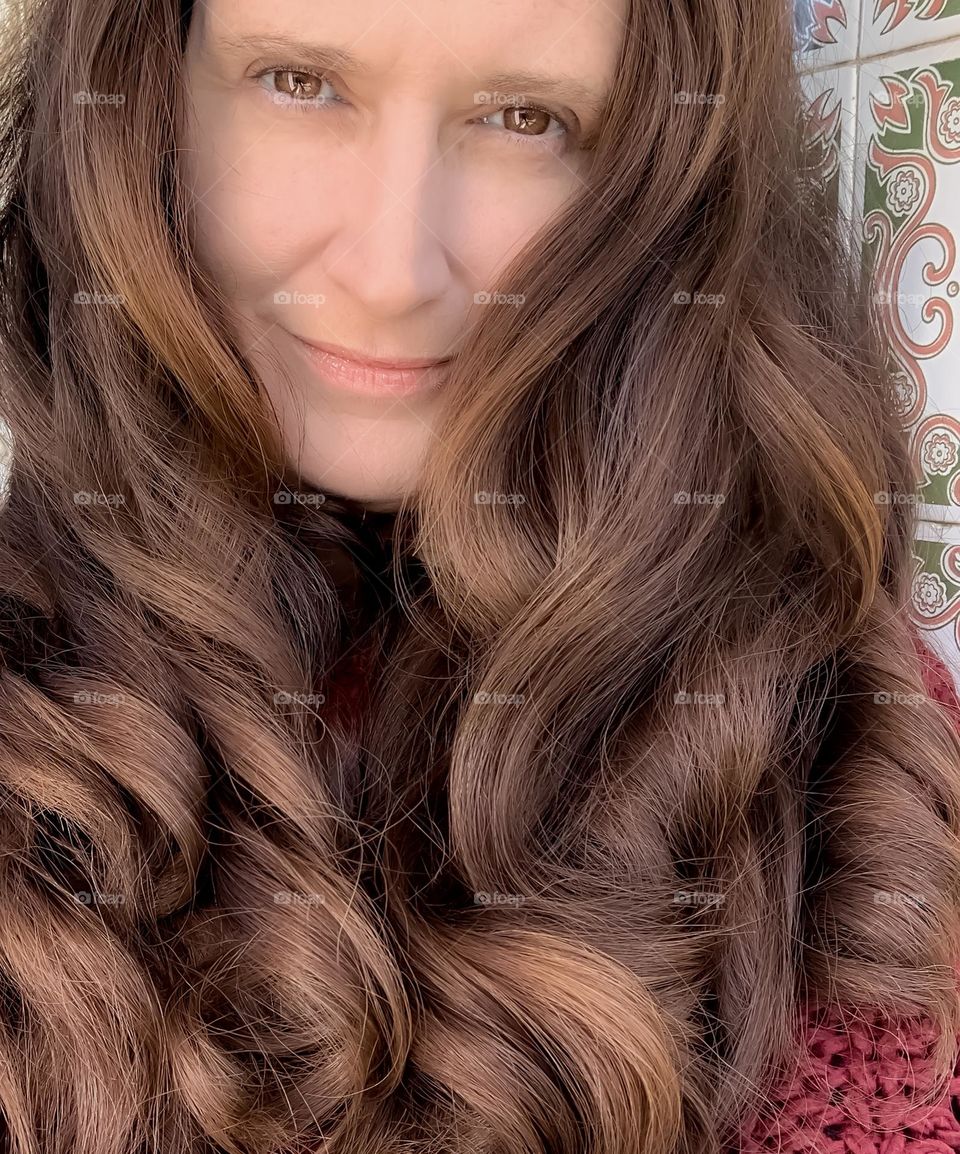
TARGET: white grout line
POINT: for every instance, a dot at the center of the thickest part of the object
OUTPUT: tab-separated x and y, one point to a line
952	40
939	514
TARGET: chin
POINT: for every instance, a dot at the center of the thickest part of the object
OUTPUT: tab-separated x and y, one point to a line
378	498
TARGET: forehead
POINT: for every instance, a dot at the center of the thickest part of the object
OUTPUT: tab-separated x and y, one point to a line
433	39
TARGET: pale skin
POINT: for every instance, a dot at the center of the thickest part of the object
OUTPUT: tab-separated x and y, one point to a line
365	207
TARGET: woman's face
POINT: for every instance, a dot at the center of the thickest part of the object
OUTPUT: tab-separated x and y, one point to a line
361	171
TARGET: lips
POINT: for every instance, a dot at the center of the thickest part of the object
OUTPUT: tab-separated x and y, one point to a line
371	376
388	364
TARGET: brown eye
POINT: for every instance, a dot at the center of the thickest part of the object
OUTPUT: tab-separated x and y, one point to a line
528	126
297	85
528	121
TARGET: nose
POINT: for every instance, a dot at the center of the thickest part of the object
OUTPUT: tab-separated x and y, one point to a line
390	254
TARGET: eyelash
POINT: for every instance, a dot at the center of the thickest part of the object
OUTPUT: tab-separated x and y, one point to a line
529	142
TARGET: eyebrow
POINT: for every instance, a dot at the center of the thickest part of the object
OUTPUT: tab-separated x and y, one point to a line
325	57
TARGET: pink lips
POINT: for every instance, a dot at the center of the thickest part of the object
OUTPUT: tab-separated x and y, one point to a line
370	377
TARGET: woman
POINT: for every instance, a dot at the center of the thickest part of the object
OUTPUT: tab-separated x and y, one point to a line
519	752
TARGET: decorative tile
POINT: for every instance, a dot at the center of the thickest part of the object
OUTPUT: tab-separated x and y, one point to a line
935	600
892	25
936	452
907	190
831	121
825	32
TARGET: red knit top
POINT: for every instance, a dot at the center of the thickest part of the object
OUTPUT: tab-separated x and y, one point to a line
853	1089
859	1075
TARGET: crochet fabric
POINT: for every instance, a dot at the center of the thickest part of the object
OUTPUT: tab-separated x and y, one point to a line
860	1074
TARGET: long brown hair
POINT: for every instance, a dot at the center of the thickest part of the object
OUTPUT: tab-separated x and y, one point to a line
645	755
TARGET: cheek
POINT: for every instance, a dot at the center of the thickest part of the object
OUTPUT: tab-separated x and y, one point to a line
500	217
259	209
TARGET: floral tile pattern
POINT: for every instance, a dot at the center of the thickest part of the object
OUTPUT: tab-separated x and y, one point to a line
826	32
892	25
936	442
882	83
907	186
831	124
935	590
